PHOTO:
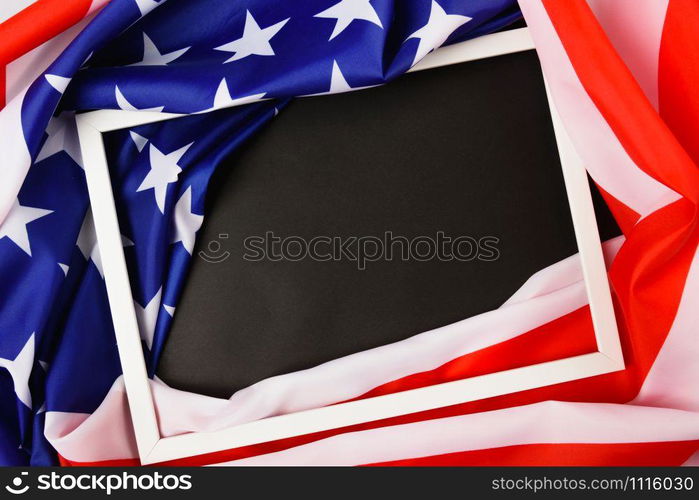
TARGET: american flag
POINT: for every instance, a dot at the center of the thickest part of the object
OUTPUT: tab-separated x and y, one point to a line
624	75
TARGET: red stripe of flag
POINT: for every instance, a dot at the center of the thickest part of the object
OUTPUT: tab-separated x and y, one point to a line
679	74
567	336
37	24
672	453
620	99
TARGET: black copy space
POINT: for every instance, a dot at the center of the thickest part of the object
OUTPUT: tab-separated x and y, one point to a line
467	150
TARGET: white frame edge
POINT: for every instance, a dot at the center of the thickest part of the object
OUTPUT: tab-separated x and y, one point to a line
153	448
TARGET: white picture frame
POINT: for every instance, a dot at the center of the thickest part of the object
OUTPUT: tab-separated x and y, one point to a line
154	448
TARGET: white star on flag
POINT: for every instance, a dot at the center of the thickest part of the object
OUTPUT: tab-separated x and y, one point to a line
164	170
20	369
338	84
148	316
347	11
145	6
87	242
60	83
127	106
223	98
138	140
186	222
255	40
438	28
65	268
15	225
62	136
153	57
89	56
